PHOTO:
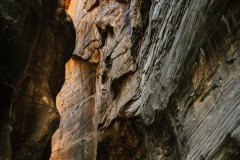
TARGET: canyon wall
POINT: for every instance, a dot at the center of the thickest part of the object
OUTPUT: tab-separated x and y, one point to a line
148	79
37	39
151	79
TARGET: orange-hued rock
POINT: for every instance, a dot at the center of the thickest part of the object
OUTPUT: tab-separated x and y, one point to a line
67	3
76	102
76	135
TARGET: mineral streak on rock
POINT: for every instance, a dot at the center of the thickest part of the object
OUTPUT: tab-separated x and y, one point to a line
37	39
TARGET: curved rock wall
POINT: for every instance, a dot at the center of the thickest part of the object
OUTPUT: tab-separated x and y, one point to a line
37	38
166	78
75	138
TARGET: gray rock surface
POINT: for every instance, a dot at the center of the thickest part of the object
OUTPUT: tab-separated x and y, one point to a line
148	79
167	81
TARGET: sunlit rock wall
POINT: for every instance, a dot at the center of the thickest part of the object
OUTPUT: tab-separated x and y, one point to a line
75	138
163	81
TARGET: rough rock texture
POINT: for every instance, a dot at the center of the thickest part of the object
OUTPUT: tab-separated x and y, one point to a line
166	78
76	102
76	134
37	38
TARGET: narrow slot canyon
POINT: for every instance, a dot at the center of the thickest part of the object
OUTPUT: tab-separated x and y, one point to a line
120	80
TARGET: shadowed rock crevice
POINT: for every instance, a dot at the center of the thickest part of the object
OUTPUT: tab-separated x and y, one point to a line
132	139
138	31
38	39
117	84
228	150
104	31
92	4
47	151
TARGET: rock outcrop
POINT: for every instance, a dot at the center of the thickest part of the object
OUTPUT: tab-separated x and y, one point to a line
148	79
152	79
75	138
37	39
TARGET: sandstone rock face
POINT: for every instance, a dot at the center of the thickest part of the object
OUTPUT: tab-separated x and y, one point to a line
75	138
152	79
76	102
37	39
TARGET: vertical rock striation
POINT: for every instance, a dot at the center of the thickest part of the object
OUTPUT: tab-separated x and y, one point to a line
152	79
37	38
76	102
75	138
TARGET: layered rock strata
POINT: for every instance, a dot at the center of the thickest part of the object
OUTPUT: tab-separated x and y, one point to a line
152	80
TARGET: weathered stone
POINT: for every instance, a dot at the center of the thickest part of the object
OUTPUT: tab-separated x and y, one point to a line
37	38
148	79
76	135
167	79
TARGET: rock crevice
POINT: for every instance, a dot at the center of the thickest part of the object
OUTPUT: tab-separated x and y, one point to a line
37	40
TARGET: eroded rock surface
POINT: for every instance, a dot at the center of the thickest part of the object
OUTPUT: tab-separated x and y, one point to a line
37	39
152	79
75	138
